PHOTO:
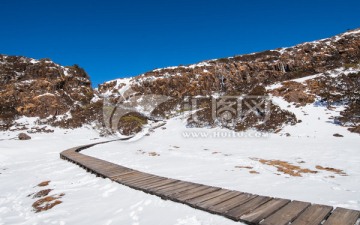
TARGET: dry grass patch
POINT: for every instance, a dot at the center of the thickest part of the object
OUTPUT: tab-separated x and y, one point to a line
44	201
44	183
42	193
286	167
47	203
333	170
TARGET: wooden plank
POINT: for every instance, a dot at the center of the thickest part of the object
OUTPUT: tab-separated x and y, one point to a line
313	215
93	165
134	176
91	161
192	188
286	214
255	216
130	177
174	189
119	177
169	186
151	180
193	193
116	173
211	202
136	179
209	196
231	203
155	186
110	172
161	186
343	216
101	166
144	185
122	173
240	210
170	192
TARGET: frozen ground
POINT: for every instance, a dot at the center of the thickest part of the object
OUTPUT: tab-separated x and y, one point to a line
88	199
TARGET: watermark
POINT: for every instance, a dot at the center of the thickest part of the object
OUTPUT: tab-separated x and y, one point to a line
126	103
226	111
219	109
230	110
223	134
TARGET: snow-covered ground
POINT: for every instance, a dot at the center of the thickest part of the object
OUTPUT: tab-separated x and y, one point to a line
88	199
205	156
215	157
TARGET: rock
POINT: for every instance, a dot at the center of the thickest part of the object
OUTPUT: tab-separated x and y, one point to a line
23	136
337	135
131	123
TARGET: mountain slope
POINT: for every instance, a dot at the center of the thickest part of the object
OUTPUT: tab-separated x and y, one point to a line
251	75
241	73
44	89
62	96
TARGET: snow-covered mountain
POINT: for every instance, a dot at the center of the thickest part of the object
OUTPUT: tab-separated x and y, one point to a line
324	62
62	96
244	72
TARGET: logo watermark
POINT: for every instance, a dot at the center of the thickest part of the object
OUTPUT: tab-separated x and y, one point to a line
127	103
223	134
218	109
231	110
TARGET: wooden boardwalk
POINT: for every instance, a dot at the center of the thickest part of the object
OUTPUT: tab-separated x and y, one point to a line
238	206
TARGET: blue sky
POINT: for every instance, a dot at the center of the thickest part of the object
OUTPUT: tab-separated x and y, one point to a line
112	39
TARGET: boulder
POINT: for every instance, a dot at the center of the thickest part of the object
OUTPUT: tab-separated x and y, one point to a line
23	136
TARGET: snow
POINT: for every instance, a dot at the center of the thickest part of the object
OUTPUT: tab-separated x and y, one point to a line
66	71
207	156
199	156
33	61
88	199
327	41
96	98
192	66
122	85
356	31
26	82
45	94
212	159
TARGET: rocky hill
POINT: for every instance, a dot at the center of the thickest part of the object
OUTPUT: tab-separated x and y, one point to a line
44	89
252	74
63	96
240	74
